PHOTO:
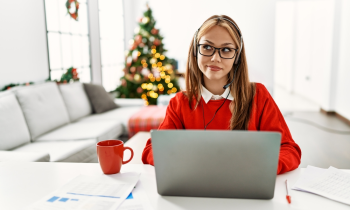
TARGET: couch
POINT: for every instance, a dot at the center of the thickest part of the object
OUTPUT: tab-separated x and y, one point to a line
50	122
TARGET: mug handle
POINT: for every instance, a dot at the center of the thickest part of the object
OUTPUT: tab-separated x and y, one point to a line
132	155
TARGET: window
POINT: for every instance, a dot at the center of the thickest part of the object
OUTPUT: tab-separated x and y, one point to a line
112	42
68	40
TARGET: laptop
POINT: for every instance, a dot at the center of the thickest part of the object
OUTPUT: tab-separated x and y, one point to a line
222	164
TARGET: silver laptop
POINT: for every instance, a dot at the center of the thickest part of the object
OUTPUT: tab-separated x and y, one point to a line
224	164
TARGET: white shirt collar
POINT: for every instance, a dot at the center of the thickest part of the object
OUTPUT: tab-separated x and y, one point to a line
207	95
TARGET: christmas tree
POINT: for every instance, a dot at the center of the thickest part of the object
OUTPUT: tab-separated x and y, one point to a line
148	73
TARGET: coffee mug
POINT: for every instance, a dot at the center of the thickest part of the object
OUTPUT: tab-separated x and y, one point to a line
110	154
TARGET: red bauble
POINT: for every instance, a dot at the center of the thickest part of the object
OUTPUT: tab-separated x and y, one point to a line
156	42
138	39
154	31
139	90
133	47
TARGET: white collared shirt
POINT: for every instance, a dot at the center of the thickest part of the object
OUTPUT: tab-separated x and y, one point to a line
207	95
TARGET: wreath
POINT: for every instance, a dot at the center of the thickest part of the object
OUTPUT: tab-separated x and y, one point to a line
74	15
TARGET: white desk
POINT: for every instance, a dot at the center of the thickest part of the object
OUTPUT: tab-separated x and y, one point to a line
24	183
137	143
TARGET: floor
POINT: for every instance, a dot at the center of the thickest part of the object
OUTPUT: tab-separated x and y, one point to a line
324	140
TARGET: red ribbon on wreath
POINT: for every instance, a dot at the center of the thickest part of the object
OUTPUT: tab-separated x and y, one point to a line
74	15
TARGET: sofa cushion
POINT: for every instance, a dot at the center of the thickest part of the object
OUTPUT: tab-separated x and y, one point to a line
97	130
11	156
99	98
64	151
76	100
43	108
121	114
13	128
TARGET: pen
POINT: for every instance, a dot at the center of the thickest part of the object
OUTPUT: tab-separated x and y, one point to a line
288	196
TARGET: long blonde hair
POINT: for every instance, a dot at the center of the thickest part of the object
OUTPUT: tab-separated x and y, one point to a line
242	89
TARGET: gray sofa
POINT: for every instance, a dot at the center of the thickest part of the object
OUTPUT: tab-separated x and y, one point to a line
50	122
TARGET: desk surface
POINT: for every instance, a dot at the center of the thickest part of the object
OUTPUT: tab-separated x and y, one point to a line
24	183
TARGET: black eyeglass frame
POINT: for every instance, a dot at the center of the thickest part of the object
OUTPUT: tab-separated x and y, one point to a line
215	51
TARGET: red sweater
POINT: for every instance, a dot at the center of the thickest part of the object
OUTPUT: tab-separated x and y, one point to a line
265	116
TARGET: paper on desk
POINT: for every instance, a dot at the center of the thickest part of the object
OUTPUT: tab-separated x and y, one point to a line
310	173
90	192
330	183
137	200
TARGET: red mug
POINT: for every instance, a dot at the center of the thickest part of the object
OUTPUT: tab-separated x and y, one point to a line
110	154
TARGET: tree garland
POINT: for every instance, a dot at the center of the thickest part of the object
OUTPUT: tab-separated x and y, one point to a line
7	87
74	15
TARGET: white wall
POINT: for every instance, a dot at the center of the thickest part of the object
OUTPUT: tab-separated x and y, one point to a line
342	101
313	50
178	20
285	44
23	49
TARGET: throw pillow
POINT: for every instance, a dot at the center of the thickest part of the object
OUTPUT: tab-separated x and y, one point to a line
99	98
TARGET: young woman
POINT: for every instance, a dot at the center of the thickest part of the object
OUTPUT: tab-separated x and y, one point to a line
219	95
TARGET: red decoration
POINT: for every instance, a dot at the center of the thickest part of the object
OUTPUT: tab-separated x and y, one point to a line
124	82
139	90
138	39
154	31
156	42
74	15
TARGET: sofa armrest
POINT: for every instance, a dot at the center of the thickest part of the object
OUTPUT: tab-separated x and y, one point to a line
127	102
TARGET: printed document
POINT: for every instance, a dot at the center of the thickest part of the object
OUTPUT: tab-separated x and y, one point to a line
330	183
90	192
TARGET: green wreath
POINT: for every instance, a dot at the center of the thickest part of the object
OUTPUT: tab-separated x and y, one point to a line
74	15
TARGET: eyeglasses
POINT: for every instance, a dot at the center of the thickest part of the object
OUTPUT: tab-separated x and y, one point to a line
224	52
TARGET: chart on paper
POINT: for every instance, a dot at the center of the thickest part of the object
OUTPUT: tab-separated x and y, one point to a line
90	193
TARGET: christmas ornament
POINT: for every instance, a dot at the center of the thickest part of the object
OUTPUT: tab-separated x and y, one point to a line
144	40
145	20
135	55
129	77
154	31
144	33
145	50
151	38
156	72
145	72
133	69
141	45
137	30
123	82
74	14
139	90
153	60
128	61
137	77
138	39
156	42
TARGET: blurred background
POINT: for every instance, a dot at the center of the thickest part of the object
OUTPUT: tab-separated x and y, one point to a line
299	49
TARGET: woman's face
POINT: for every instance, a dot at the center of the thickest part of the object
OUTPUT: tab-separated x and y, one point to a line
214	67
